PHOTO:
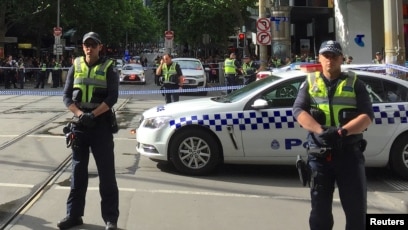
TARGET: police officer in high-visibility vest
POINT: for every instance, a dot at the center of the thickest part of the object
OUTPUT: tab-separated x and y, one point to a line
42	74
90	91
231	68
56	73
249	68
172	78
336	109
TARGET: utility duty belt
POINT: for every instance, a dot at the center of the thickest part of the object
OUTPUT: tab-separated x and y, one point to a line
317	151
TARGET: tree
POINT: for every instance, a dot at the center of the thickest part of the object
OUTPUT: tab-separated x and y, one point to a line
111	19
192	18
12	13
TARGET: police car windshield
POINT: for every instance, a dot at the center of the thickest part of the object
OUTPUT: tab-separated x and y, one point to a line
243	92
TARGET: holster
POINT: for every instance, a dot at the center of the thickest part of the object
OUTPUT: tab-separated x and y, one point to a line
113	122
303	171
363	145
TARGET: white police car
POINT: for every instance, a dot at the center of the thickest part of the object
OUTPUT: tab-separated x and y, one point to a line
255	125
376	68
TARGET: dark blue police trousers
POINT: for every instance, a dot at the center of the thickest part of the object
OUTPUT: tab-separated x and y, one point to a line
99	140
346	169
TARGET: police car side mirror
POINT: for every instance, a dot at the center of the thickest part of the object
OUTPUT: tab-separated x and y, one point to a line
260	104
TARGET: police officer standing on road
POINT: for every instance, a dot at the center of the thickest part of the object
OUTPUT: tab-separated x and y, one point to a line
91	90
231	66
171	73
335	108
42	74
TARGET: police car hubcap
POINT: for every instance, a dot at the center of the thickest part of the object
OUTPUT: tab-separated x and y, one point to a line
194	152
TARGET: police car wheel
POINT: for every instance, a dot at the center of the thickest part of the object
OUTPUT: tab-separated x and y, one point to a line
399	156
194	152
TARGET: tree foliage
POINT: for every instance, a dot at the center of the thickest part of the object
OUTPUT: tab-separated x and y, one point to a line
111	19
123	20
190	19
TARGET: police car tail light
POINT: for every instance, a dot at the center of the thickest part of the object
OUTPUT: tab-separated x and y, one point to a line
308	68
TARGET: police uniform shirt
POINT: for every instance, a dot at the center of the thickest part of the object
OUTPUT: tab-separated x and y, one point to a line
112	79
303	101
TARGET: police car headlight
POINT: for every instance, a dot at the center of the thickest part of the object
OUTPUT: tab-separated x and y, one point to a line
156	122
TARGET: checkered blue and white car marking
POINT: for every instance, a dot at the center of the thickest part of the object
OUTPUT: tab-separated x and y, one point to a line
244	120
279	119
399	116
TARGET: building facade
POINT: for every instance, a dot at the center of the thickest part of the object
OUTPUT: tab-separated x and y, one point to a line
363	27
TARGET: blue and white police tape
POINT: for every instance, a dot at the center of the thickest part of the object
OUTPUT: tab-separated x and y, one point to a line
43	92
397	67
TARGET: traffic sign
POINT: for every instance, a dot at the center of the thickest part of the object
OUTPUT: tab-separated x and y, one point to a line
264	38
169	35
263	24
58	49
279	19
57	31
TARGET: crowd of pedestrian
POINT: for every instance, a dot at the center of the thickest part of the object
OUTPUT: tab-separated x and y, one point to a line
16	72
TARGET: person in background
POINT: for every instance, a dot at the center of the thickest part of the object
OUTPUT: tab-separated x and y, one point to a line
249	68
349	60
171	74
21	73
378	58
231	70
42	75
56	73
10	73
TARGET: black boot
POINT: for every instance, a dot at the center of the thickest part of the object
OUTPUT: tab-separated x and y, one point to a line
69	222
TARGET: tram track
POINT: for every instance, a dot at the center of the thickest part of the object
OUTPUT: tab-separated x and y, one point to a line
47	183
22	106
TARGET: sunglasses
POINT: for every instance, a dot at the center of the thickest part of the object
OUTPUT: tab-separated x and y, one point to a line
91	45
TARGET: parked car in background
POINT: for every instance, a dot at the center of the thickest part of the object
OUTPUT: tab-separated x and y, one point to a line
132	73
118	64
193	72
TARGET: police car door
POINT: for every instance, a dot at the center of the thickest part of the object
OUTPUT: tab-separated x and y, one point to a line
389	101
276	133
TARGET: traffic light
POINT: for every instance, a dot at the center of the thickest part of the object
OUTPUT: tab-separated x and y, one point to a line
241	40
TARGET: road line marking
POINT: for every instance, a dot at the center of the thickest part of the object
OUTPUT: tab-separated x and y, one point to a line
163	191
16	185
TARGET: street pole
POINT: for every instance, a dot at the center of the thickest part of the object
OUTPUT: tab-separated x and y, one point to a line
58	26
394	36
168	23
245	41
263	52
